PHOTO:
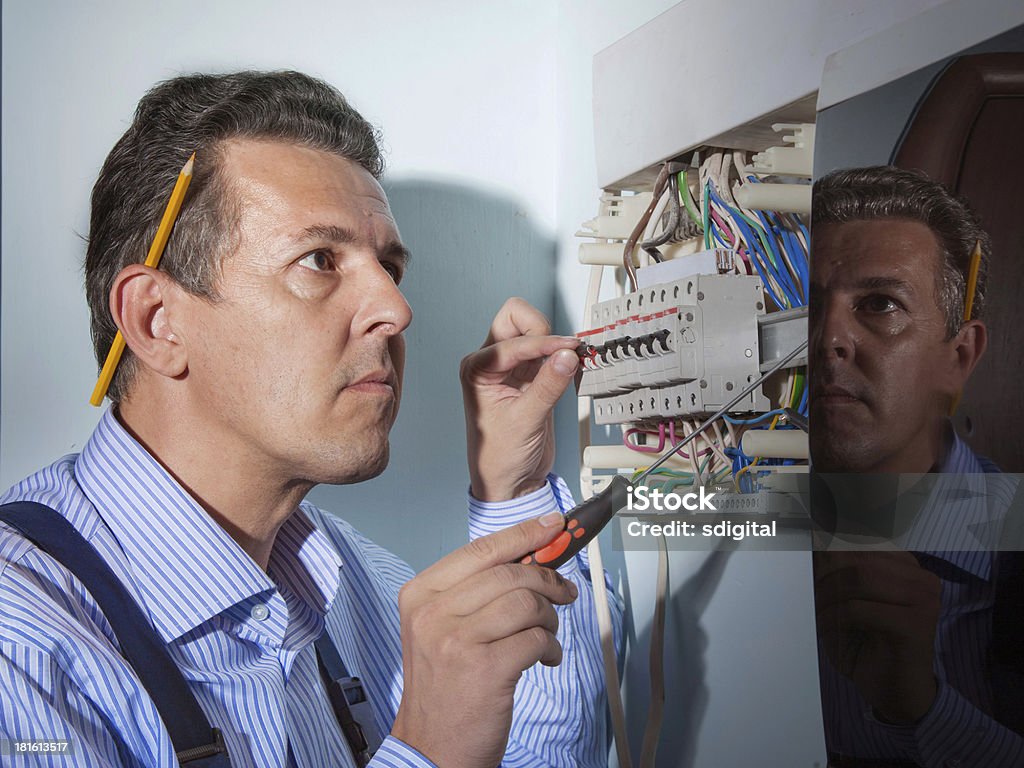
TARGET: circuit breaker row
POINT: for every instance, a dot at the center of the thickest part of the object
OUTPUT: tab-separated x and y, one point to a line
674	349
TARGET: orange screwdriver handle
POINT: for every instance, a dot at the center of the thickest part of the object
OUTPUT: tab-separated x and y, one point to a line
582	523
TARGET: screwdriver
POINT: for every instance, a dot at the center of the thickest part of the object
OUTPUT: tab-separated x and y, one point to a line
584	521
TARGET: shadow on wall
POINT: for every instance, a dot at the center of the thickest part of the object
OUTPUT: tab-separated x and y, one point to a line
685	670
471	251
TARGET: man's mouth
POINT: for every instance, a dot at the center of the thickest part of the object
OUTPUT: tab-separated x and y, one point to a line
833	395
381	382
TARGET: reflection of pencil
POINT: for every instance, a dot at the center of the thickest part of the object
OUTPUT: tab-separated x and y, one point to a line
972	287
972	281
156	250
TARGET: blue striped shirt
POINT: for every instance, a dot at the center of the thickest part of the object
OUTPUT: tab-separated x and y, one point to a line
241	636
958	729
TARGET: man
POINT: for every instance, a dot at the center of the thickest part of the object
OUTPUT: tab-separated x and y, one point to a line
907	680
266	356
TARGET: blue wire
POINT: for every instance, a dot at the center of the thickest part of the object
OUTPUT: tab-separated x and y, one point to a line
792	247
758	261
799	259
796	252
756	419
789	292
782	274
784	282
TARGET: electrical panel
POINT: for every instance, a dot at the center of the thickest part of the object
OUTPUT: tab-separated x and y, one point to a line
712	275
674	349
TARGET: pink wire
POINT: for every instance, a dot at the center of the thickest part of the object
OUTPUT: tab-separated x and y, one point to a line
743	255
661	440
726	232
645	448
673	441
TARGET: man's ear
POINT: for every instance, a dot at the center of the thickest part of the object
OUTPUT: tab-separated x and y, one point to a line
139	302
968	346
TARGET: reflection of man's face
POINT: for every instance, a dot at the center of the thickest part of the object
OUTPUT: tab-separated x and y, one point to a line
297	367
878	350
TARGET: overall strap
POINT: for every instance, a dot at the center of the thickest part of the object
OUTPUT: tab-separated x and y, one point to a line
1006	655
195	741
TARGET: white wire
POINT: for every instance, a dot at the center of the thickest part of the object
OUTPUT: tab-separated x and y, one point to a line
655	219
693	453
656	710
713	445
611	667
601	597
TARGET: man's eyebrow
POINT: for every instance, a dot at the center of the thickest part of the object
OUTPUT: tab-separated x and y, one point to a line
875	283
332	233
879	283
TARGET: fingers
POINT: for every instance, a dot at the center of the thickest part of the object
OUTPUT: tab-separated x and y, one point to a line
482	589
498	360
512	613
530	646
891	578
857	616
505	546
550	382
517	317
825	562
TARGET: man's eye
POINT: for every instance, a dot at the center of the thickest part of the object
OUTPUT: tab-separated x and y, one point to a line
394	270
878	304
320	261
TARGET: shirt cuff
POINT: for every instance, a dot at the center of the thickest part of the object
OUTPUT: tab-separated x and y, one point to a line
395	753
954	733
487	517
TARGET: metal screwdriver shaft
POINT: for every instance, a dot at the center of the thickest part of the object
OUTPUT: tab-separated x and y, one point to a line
722	411
584	521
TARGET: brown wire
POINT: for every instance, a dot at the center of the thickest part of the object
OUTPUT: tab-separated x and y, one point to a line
660	184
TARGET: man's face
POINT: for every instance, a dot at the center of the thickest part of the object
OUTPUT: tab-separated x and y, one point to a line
881	370
298	365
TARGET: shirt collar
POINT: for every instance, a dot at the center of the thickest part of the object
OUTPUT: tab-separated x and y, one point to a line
960	500
186	567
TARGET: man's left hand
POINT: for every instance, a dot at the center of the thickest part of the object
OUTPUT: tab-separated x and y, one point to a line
877	614
509	390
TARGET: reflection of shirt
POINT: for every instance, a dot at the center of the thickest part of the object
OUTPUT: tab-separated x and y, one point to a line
959	729
242	637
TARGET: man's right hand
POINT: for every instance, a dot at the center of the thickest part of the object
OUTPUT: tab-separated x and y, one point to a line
472	623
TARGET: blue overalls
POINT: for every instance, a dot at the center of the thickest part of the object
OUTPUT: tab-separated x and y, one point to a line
196	743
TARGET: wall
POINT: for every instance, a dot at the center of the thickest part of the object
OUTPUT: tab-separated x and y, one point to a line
471	177
487	115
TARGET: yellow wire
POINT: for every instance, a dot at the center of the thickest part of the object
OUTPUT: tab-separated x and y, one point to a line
775	420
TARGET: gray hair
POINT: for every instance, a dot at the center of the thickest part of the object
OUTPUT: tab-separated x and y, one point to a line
886	192
198	113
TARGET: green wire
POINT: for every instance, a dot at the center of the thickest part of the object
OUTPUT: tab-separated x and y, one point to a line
705	210
762	235
684	192
798	390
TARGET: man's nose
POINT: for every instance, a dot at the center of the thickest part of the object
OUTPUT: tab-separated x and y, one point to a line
384	308
831	331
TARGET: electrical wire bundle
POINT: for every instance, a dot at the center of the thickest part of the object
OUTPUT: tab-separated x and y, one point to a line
692	201
773	245
770	244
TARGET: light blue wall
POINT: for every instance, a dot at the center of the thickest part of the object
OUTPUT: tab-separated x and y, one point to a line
487	119
470	147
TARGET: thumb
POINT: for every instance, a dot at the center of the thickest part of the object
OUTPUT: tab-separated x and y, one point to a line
550	382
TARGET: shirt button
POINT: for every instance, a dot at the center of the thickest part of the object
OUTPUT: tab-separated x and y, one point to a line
259	612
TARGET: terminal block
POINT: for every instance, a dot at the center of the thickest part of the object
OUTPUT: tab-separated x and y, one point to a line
674	349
